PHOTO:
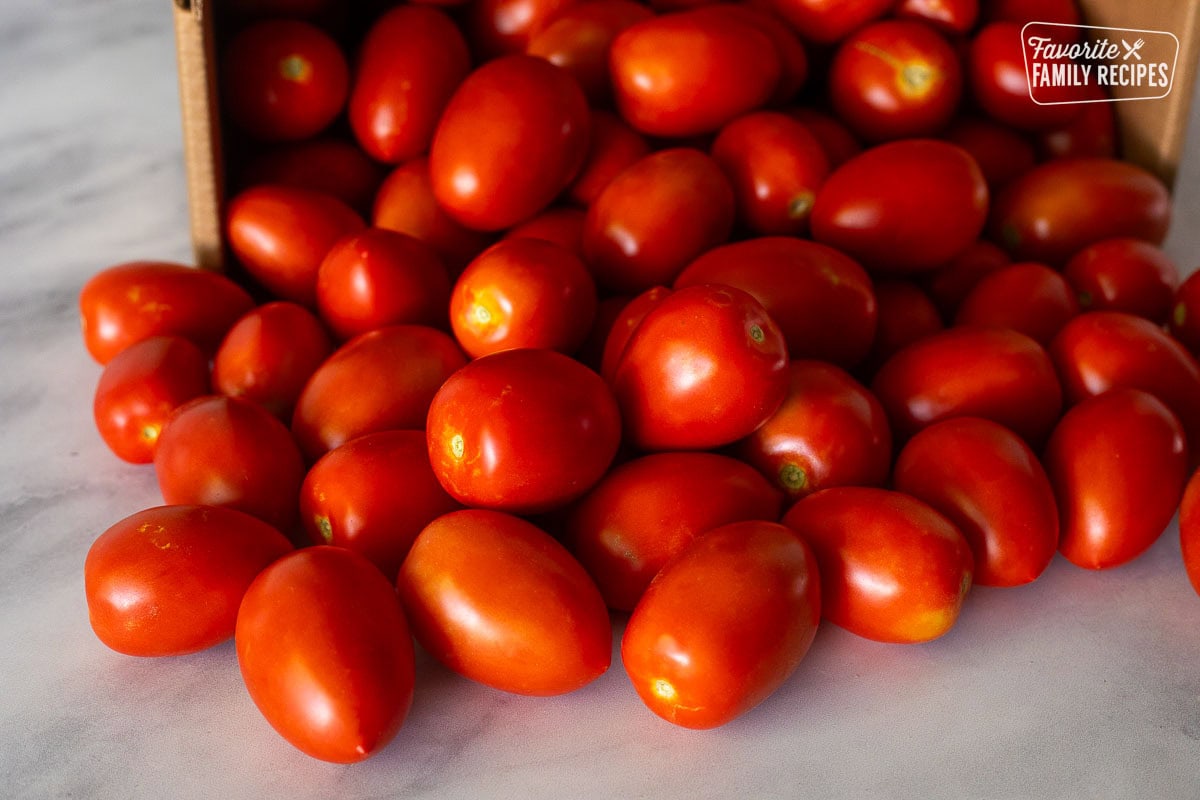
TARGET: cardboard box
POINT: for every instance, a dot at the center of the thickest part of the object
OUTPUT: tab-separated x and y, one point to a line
1152	131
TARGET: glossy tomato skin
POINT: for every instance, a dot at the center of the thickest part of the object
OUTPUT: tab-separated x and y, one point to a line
1185	314
168	580
829	431
1124	274
523	430
123	304
512	137
646	511
949	16
996	373
540	630
793	56
1118	463
326	164
838	141
394	372
1093	133
996	68
1027	297
724	625
991	485
827	22
1189	530
139	389
326	654
503	27
949	284
624	324
560	225
892	569
613	147
863	208
410	62
906	313
705	368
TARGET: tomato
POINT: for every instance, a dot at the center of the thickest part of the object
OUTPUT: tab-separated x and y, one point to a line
522	430
906	314
168	580
560	225
1063	12
793	58
646	511
983	478
139	389
394	373
724	625
377	278
283	80
775	166
949	284
1124	275
864	208
1185	314
705	368
269	354
409	63
1027	297
1060	207
691	72
540	630
892	569
280	234
1118	463
839	144
822	300
1002	153
124	304
333	166
613	147
1189	530
373	495
326	654
523	293
1093	133
949	16
513	136
625	323
503	27
655	217
1000	84
894	79
828	21
996	373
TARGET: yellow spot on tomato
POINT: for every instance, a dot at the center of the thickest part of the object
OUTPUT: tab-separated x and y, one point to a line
664	689
457	446
295	68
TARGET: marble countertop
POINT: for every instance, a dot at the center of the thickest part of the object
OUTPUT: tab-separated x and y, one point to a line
1079	685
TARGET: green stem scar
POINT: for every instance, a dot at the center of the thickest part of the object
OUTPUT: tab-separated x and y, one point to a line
1179	314
325	528
800	205
294	68
793	478
756	333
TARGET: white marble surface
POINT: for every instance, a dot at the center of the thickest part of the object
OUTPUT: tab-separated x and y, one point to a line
1080	685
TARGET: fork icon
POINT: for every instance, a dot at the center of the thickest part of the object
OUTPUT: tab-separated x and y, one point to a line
1132	49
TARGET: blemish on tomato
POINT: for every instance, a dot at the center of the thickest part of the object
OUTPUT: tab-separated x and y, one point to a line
295	68
325	528
458	447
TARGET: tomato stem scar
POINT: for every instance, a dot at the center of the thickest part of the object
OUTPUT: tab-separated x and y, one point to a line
756	333
793	477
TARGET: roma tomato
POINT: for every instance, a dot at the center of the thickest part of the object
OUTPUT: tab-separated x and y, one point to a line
1118	464
723	625
989	483
394	372
330	165
613	147
1000	84
827	22
892	569
793	58
646	511
949	284
124	304
168	580
1124	275
705	368
1093	133
1189	530
949	16
1185	314
624	324
513	136
839	144
139	389
540	630
326	654
410	62
1003	153
560	225
906	313
522	430
1028	297
503	27
864	208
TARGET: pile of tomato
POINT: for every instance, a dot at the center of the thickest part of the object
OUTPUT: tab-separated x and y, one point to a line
717	319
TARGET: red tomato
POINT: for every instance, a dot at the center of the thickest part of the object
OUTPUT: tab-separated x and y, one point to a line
829	431
1189	530
1000	83
864	208
822	301
168	580
839	144
775	166
333	166
225	451
608	311
895	79
1064	12
560	225
983	478
326	654
625	323
1001	152
379	277
410	62
995	373
280	234
705	368
393	373
793	58
892	569
542	629
283	80
349	497
691	72
522	430
655	217
724	625
1118	464
512	137
613	147
949	16
503	27
1057	209
948	285
1027	297
906	314
139	389
646	511
1093	133
523	293
1185	314
269	354
826	22
1124	275
122	305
